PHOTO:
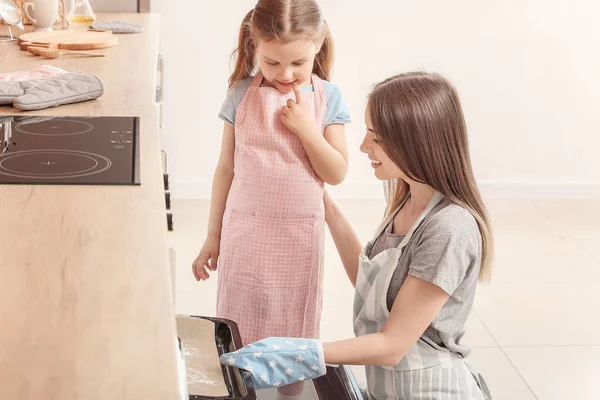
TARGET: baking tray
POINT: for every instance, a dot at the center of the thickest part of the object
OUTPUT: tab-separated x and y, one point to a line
238	382
338	384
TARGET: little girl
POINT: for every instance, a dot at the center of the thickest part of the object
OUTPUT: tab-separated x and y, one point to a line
283	138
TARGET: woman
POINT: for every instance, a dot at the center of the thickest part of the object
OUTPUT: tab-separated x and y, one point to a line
416	280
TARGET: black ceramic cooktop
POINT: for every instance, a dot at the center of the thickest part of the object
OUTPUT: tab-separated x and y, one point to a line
69	150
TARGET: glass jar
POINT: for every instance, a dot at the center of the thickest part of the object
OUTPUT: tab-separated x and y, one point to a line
81	12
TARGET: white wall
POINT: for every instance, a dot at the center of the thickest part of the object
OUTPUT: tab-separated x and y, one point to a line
112	5
528	72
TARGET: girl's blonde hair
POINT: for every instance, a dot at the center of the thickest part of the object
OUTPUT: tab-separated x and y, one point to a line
419	120
283	20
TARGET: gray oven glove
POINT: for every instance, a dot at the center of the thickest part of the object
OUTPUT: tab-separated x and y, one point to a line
10	91
117	26
277	361
37	94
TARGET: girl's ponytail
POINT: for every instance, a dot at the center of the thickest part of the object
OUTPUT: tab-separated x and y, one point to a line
324	58
245	54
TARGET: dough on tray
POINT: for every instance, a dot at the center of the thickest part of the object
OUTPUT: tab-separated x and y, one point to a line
204	374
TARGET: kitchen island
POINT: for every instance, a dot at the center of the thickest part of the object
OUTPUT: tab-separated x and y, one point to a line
85	283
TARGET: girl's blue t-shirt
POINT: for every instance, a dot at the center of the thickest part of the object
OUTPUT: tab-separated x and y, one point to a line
337	110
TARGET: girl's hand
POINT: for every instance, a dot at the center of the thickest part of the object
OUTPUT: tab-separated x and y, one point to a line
296	117
209	252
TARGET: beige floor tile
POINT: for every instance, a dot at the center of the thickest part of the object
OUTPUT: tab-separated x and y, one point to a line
579	219
541	314
546	287
477	335
530	248
559	373
502	378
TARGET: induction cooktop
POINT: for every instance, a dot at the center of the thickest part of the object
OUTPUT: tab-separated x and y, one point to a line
69	150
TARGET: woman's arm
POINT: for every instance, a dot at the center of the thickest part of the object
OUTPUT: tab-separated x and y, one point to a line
417	304
346	241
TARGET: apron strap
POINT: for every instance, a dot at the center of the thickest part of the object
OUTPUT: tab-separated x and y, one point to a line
318	89
257	80
390	218
435	200
317	83
485	391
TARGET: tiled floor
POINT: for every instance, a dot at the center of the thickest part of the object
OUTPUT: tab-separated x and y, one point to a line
535	330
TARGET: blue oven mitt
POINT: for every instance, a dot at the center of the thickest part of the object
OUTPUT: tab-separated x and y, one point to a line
276	362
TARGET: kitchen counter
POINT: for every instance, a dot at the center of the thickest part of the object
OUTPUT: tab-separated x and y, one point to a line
85	285
128	70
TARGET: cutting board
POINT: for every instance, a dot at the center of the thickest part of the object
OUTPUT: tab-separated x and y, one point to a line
72	40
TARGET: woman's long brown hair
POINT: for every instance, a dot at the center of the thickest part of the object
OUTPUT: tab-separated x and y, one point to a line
282	20
419	120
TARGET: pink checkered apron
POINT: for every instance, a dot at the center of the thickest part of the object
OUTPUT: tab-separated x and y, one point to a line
271	256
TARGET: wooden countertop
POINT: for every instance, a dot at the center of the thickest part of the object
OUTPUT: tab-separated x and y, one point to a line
128	70
85	288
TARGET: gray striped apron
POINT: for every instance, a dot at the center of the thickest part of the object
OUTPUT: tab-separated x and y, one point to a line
425	372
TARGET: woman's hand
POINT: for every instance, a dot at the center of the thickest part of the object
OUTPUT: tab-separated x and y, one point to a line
279	361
